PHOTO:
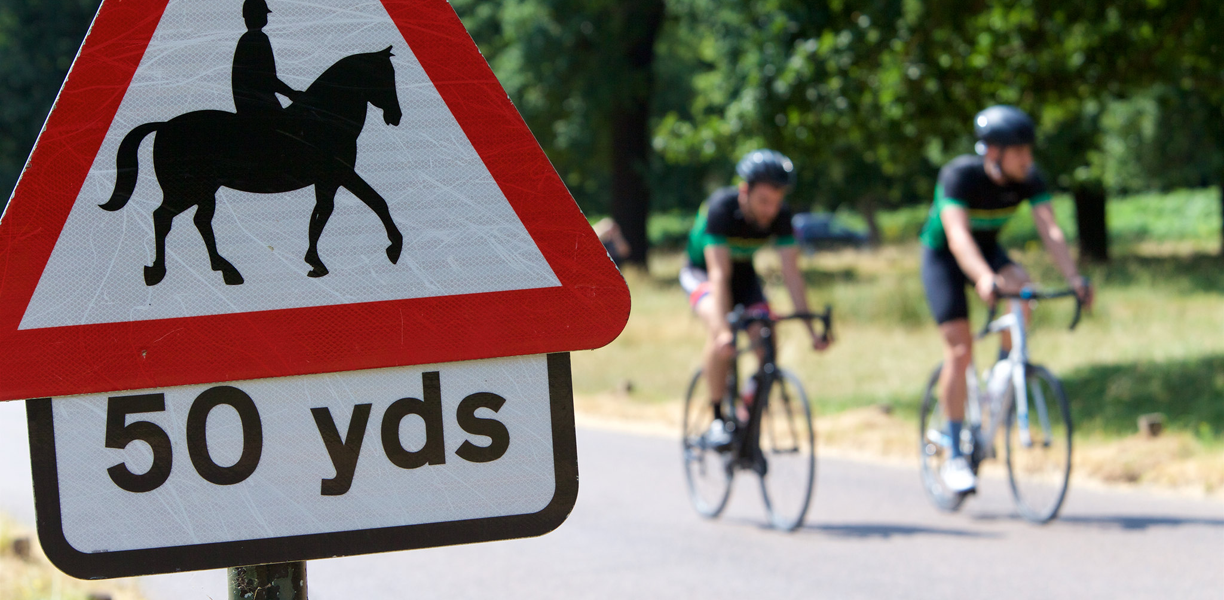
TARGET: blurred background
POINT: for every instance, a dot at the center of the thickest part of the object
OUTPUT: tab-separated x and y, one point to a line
644	106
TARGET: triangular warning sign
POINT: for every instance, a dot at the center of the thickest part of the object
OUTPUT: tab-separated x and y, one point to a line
222	194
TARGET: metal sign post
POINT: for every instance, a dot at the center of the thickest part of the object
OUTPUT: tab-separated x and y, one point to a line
279	581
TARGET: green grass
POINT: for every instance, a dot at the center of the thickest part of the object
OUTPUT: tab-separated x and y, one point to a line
1154	344
1108	398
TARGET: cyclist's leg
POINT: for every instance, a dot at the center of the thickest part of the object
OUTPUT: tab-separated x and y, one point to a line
696	282
748	292
944	284
714	361
958	355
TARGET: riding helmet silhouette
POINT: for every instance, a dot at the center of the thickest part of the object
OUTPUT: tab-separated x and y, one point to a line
254	9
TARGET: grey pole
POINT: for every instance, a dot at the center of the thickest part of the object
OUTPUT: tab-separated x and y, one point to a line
280	581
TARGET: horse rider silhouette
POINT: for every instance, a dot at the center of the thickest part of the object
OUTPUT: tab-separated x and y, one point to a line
313	142
254	74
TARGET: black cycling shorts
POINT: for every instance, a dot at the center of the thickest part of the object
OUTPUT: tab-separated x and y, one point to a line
945	282
745	291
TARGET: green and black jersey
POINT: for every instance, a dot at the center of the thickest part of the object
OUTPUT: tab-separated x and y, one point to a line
964	183
721	222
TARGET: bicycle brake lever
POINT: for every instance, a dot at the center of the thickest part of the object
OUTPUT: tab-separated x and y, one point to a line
1079	306
827	319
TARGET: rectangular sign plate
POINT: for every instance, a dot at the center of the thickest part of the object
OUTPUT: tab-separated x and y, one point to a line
307	467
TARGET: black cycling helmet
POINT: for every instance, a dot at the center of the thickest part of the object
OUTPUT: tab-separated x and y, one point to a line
766	166
1003	125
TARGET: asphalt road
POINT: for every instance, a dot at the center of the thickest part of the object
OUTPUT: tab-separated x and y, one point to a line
870	534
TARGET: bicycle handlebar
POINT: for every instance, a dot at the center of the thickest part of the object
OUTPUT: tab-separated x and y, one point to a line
1028	293
740	319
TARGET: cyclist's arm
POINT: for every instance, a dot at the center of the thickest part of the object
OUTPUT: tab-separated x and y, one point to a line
718	267
968	255
793	278
1056	244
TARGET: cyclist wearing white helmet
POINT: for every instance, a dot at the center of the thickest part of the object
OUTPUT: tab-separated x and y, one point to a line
732	224
974	198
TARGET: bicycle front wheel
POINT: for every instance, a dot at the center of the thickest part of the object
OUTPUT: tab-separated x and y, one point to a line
788	452
707	471
934	448
1039	451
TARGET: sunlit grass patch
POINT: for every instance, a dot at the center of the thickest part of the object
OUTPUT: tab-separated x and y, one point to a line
32	577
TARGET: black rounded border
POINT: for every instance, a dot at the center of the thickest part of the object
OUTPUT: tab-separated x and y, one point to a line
127	563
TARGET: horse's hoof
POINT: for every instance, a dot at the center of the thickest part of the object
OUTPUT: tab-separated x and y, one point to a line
318	271
154	275
393	251
232	277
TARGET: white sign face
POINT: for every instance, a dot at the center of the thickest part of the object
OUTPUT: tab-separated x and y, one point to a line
460	233
294	468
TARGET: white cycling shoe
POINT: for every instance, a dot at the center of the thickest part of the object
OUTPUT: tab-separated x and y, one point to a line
719	434
958	476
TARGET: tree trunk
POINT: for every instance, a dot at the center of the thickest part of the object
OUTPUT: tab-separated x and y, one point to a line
640	21
1090	217
630	192
867	207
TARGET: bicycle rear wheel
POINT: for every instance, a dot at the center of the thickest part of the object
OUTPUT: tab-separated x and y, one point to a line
788	449
707	471
934	448
1040	466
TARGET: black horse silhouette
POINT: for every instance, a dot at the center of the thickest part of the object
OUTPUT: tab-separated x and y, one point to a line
313	143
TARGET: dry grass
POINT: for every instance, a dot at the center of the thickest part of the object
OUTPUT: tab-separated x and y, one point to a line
34	578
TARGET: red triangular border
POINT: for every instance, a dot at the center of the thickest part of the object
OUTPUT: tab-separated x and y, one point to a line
588	310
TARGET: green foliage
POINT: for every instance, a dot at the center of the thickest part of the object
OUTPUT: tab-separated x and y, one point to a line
1182	215
1160	138
903	224
569	66
870	98
38	40
670	229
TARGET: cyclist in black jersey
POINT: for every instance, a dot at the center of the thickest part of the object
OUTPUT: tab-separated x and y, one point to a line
731	226
974	198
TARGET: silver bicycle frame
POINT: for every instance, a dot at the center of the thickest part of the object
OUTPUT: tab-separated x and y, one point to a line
979	392
1013	322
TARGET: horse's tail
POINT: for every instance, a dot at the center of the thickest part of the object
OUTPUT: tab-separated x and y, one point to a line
128	166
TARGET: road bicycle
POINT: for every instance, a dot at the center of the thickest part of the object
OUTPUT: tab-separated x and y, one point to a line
1037	431
772	433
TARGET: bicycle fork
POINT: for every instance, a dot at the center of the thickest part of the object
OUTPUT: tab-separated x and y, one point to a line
1019	360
